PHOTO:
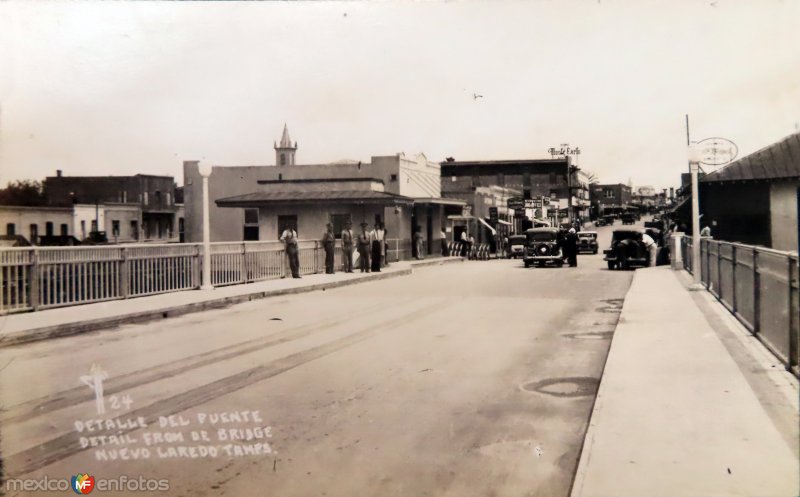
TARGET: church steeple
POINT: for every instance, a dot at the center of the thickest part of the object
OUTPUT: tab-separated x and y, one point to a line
284	152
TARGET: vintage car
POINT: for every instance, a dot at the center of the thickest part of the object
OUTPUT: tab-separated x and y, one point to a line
628	218
587	241
604	220
653	224
516	246
627	250
543	245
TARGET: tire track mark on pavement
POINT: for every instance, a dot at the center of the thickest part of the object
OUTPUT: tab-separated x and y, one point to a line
74	396
68	444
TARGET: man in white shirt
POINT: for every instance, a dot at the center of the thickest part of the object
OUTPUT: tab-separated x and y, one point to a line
289	239
652	248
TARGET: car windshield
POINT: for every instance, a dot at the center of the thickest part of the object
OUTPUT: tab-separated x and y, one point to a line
544	236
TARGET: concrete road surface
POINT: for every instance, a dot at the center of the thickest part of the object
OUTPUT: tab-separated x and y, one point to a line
472	379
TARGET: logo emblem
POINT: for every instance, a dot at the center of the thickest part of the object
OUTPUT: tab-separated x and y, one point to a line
82	483
717	151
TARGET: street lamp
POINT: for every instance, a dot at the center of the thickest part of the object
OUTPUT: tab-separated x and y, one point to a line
205	171
695	156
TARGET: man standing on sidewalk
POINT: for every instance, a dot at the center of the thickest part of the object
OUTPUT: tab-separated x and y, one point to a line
377	247
347	247
363	249
328	243
289	239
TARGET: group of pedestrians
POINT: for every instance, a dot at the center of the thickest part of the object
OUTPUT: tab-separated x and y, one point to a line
370	244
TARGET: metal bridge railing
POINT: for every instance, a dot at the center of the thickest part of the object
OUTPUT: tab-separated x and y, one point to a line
759	286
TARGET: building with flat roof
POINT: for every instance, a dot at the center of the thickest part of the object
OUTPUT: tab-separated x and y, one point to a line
555	179
257	202
145	204
752	200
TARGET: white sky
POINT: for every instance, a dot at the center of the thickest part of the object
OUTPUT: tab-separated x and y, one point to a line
122	88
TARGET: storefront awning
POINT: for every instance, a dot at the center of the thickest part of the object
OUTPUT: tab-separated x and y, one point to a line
494	232
262	199
439	201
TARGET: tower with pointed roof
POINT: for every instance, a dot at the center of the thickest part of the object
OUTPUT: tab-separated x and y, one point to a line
284	151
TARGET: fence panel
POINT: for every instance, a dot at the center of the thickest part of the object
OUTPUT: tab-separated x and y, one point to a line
773	311
16	266
156	269
746	288
309	257
399	249
78	275
794	315
264	260
227	264
726	275
33	278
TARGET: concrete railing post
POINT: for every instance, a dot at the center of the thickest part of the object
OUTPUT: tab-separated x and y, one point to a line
243	265
676	251
34	280
124	273
733	278
756	294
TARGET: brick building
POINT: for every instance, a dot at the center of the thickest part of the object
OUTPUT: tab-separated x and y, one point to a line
556	179
610	197
135	208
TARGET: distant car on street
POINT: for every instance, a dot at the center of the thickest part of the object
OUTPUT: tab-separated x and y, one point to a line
516	246
587	242
628	219
604	221
627	250
542	246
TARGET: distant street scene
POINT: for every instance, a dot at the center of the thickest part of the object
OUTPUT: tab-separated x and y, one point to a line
400	249
463	378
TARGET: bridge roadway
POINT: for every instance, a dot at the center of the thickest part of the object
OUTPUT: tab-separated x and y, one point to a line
472	379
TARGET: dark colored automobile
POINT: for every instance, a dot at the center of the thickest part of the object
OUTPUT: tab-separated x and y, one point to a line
653	224
516	246
543	245
627	250
628	219
587	241
604	221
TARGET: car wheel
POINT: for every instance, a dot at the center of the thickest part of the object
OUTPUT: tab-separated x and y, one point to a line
611	265
594	251
527	264
560	263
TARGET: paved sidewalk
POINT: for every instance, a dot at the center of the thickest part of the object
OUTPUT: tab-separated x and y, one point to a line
16	329
689	403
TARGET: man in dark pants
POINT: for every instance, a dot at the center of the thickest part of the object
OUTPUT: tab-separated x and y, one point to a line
328	243
377	247
363	249
289	238
347	247
571	247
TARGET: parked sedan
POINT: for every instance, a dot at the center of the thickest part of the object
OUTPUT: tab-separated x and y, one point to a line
587	242
627	250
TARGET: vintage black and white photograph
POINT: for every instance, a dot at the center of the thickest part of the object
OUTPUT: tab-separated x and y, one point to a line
395	248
